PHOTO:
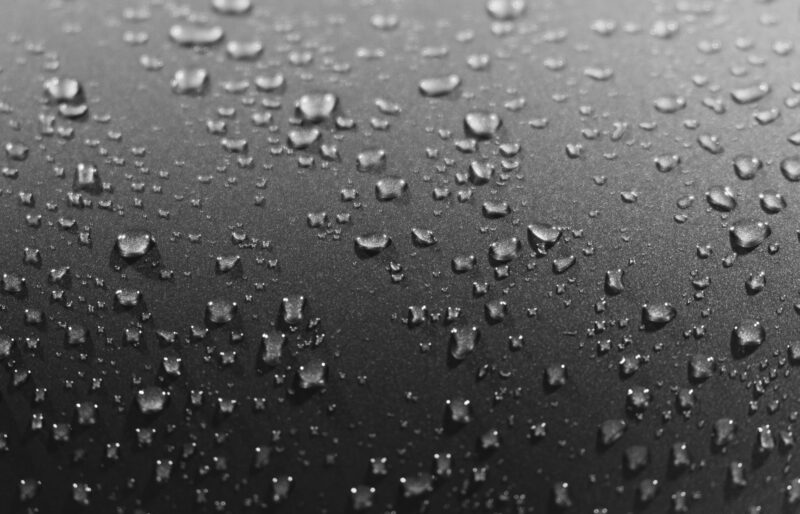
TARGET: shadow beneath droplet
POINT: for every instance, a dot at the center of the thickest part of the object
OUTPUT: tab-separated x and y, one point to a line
281	325
739	251
731	491
235	324
550	389
148	265
299	396
759	457
234	273
650	326
738	351
369	254
452	362
22	294
450	427
413	504
136	309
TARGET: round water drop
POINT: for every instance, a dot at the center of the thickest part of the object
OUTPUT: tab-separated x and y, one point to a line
423	237
480	172
561	497
494	210
666	163
482	124
417	485
747	234
151	400
721	198
505	10
372	244
134	244
312	375
756	283
87	178
747	336
750	94
220	312
16	151
244	50
439	86
292	309
194	35
771	201
234	7
371	160
463	341
390	188
658	314
746	166
611	431
63	90
191	81
459	410
505	250
300	139
710	143
544	234
127	298
669	104
790	168
316	107
562	264
613	284
269	83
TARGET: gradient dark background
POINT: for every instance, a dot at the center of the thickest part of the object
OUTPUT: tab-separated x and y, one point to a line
385	397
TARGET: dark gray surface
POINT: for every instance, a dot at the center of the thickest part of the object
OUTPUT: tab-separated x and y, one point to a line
389	396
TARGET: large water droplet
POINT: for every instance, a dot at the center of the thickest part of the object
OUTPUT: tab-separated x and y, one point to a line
195	35
482	124
439	86
134	244
747	234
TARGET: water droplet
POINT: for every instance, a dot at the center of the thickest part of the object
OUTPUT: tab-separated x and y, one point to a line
439	86
747	234
544	234
220	312
670	104
423	237
790	167
390	188
614	283
195	35
611	431
747	336
151	400
505	250
134	244
482	124
750	94
63	90
235	7
312	375
721	198
192	81
463	341
747	166
87	178
505	10
372	244
658	314
316	107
